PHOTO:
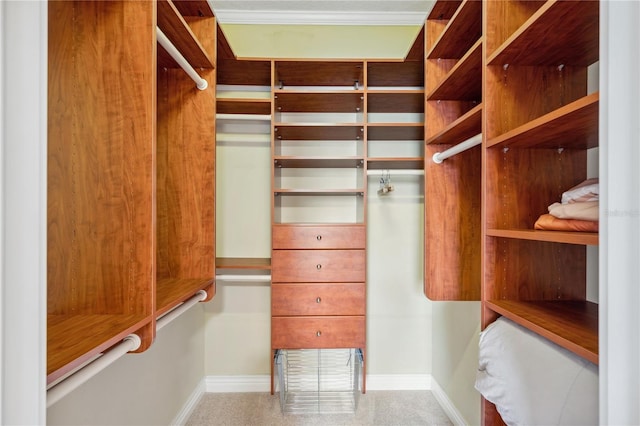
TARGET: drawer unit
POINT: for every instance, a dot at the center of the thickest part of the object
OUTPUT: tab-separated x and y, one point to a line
318	299
319	237
318	266
318	332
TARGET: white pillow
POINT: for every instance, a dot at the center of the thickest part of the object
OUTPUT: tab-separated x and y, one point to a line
533	381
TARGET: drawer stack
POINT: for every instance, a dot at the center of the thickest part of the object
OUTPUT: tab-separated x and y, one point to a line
318	293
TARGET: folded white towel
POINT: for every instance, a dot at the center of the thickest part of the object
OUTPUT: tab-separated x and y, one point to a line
587	210
585	191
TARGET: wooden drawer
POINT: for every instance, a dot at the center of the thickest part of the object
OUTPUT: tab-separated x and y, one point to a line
318	299
318	237
317	332
312	266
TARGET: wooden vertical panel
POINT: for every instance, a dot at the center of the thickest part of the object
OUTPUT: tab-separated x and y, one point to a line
506	17
101	127
205	31
522	183
452	225
521	94
536	270
186	176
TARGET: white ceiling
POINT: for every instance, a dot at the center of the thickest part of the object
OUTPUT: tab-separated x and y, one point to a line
322	12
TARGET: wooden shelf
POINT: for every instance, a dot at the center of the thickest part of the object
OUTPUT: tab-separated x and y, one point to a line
395	74
74	339
464	81
462	31
319	131
198	8
444	9
560	32
329	101
571	324
318	162
243	106
395	163
256	263
395	131
465	127
173	25
405	101
574	125
318	74
170	292
582	238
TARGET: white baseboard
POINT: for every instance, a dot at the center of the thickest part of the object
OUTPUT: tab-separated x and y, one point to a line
447	405
257	383
187	409
398	382
375	382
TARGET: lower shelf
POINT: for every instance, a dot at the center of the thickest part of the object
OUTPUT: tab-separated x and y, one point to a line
570	324
318	380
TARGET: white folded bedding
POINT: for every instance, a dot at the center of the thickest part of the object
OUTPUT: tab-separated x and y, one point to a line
533	381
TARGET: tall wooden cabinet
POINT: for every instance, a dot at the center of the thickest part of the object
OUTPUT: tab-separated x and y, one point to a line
517	72
453	76
130	172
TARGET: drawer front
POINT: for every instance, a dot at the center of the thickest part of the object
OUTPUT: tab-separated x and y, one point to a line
317	332
318	299
312	266
318	237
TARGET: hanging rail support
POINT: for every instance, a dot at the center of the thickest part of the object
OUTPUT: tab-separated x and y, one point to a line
180	309
439	157
63	388
201	83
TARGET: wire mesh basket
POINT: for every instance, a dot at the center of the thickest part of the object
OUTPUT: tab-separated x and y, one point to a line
318	380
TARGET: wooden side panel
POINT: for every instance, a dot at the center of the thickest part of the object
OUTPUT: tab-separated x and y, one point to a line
186	176
452	225
100	166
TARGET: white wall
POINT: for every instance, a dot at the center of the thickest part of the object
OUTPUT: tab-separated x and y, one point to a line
398	314
620	213
23	86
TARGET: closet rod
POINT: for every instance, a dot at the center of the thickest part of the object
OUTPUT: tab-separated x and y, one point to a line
63	388
243	278
395	172
201	83
180	309
439	157
130	343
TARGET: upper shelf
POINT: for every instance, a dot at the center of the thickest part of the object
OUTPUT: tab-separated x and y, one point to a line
395	131
464	81
574	125
396	101
574	25
462	31
571	324
177	30
330	101
318	162
289	74
285	131
466	126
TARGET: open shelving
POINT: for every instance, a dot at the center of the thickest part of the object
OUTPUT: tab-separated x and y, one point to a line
453	114
533	152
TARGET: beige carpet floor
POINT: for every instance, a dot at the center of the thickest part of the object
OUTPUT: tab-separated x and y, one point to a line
401	408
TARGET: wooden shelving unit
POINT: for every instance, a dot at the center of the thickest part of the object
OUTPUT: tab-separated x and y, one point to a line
453	67
534	151
185	150
259	263
108	210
